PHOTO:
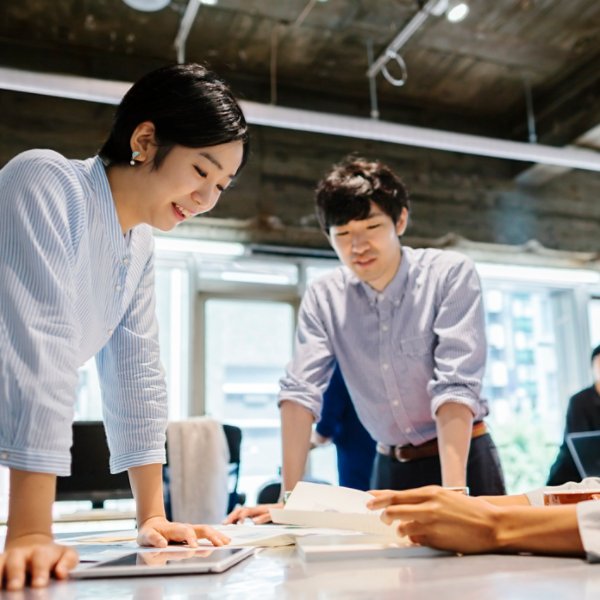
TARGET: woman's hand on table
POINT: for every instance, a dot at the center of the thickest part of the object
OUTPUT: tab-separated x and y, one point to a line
34	558
158	532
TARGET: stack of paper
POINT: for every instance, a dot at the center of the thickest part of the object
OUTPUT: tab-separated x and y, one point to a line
318	505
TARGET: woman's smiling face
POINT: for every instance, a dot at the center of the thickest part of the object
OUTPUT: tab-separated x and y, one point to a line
189	181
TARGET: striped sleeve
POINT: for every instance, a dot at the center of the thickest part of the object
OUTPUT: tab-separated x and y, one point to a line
459	326
40	225
133	386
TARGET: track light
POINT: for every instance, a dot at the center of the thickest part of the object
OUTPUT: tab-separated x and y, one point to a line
147	5
457	12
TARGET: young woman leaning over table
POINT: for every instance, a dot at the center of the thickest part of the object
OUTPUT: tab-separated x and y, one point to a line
77	280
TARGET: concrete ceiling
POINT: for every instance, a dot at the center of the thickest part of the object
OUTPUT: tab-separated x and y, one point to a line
466	77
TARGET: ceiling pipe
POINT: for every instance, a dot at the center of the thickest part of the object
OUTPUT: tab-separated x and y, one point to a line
111	92
433	7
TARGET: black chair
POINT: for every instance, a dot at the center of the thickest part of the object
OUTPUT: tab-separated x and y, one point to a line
233	435
234	442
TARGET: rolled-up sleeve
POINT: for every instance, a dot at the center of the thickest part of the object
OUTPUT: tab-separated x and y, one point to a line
39	333
310	369
460	353
133	385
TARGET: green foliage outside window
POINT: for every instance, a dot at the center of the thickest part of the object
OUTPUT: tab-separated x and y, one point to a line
526	454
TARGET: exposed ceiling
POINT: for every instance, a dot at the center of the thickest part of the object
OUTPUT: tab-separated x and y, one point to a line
469	77
466	77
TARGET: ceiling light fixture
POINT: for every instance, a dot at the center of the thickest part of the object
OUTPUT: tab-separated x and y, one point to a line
111	92
147	5
457	12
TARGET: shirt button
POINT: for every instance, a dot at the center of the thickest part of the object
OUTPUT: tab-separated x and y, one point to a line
4	455
384	328
117	288
396	302
125	261
385	366
395	403
381	297
408	430
110	331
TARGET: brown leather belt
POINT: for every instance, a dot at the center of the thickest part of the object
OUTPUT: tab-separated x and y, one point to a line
426	450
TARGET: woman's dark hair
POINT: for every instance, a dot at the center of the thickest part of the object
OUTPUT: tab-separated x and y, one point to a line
188	105
595	352
346	192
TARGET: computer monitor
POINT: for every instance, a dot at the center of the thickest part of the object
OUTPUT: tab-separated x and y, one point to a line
585	450
90	476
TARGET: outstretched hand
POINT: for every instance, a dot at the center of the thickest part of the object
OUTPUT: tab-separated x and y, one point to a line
440	518
158	532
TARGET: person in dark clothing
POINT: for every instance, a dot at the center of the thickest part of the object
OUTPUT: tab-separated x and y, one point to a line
583	414
339	423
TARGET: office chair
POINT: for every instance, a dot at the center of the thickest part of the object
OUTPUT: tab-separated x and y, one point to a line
233	435
234	442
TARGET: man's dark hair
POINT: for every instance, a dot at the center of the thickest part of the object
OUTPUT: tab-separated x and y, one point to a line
595	352
346	192
188	105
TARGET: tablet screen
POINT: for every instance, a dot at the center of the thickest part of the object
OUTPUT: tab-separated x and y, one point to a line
166	562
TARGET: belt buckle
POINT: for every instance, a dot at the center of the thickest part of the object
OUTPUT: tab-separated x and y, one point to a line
398	455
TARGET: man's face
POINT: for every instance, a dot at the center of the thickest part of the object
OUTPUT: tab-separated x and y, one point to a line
370	247
596	368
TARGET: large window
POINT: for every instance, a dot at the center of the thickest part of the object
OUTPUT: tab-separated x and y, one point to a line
226	331
594	318
536	360
247	345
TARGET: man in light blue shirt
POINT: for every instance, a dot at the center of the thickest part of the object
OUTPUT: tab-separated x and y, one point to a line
406	328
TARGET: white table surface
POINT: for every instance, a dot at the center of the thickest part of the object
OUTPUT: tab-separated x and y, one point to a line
280	573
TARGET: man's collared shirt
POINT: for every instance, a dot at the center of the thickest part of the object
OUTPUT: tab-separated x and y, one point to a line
403	352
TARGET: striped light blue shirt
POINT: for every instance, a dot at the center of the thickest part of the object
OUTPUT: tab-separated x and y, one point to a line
71	287
403	352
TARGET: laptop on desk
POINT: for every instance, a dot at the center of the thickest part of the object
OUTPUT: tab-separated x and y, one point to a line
585	450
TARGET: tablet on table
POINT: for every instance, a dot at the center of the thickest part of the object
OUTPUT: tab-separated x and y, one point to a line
166	562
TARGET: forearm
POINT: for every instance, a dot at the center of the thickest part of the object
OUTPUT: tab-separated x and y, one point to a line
147	487
296	427
520	499
544	530
30	504
454	424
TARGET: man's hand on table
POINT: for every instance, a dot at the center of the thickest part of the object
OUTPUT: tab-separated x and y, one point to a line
258	514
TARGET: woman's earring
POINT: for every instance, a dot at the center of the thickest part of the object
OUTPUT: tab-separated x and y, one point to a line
134	155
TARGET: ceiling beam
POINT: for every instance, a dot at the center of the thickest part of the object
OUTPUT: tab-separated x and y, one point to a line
111	92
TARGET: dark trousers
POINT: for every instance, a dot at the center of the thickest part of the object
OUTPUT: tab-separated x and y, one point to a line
484	473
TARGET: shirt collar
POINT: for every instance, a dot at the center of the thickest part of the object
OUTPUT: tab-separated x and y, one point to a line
99	181
396	287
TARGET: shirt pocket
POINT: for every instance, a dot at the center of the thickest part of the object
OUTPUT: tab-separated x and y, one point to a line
417	346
